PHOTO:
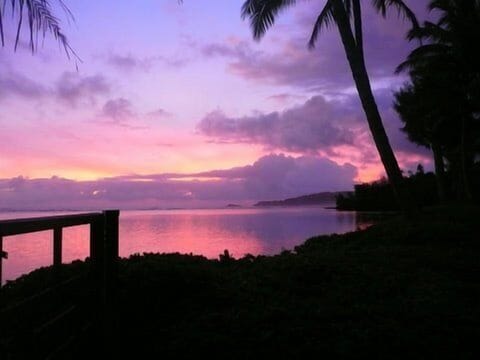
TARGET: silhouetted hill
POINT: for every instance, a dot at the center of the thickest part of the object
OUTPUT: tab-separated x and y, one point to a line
312	199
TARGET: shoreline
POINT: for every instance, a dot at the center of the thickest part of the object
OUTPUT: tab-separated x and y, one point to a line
398	287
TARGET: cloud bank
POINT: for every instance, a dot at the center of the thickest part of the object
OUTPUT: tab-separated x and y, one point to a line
70	88
307	128
274	176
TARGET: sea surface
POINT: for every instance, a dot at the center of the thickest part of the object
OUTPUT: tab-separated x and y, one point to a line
205	232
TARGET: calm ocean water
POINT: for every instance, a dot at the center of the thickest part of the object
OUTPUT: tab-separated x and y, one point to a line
206	232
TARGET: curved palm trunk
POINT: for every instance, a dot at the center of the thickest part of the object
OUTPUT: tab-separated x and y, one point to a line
359	71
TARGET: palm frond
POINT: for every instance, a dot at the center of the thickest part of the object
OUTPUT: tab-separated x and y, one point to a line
358	25
324	20
429	31
380	6
439	5
348	7
40	20
402	9
421	56
262	13
2	38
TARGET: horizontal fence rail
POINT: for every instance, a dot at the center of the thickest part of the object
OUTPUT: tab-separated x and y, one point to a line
28	225
101	281
103	234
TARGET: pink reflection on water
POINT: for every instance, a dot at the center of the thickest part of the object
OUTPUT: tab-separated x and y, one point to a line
202	232
26	253
76	243
205	233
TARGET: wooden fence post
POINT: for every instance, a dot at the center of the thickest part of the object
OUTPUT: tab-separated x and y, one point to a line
1	260
97	259
57	247
111	273
111	251
97	248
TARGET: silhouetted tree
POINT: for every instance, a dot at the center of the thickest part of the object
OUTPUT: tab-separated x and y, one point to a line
453	42
39	18
347	16
378	195
430	107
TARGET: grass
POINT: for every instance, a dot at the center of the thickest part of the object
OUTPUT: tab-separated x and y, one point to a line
397	289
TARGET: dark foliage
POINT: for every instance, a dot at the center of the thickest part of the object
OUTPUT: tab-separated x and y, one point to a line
379	196
440	107
394	290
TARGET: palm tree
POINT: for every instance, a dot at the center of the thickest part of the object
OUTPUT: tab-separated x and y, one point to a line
40	20
429	107
347	16
453	40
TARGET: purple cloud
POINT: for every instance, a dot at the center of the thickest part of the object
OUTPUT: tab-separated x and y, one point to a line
118	110
271	177
160	113
284	98
318	127
313	126
277	176
72	88
325	67
129	62
15	84
293	65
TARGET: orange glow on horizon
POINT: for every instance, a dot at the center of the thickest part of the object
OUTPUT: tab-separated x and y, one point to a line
369	174
194	178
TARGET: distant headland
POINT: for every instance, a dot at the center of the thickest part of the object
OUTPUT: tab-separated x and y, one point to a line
311	199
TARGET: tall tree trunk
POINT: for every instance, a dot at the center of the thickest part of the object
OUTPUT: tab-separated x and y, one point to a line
362	83
465	183
439	171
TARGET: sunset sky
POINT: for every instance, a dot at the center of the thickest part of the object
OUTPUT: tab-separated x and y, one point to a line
176	105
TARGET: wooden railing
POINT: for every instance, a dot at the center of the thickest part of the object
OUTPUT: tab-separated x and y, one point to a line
48	308
103	236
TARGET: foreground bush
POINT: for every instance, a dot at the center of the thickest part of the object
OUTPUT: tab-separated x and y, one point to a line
394	290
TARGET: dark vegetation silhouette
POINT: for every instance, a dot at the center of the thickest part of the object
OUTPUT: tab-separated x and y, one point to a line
440	106
310	199
398	289
347	16
378	195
